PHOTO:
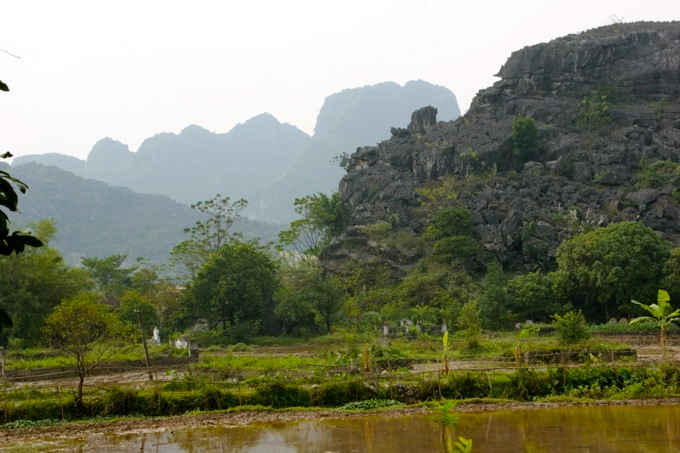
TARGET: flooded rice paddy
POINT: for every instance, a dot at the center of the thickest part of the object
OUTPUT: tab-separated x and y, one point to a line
563	429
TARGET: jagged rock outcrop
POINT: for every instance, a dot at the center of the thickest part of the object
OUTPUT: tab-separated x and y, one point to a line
606	104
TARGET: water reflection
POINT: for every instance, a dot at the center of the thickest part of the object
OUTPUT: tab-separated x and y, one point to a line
584	429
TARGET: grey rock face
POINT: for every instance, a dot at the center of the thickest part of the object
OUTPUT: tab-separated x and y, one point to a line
606	104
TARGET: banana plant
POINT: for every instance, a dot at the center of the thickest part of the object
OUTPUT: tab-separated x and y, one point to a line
662	314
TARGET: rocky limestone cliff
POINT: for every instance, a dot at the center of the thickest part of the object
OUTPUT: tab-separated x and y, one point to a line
606	104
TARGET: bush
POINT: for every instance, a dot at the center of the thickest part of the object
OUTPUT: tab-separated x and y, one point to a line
571	328
524	137
279	395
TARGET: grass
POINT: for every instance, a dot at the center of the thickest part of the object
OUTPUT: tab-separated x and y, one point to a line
31	359
225	379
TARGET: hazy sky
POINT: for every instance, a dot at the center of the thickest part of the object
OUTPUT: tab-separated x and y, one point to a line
131	69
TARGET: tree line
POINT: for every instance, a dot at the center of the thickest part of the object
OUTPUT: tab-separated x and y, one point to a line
243	288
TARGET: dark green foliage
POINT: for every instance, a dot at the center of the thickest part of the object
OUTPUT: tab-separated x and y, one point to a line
323	219
235	285
307	292
532	296
335	394
368	405
671	270
209	234
523	385
571	327
527	384
132	303
280	395
493	311
450	222
524	137
35	282
463	385
11	241
451	229
600	271
110	273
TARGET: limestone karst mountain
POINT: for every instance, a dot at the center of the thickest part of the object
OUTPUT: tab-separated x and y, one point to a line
347	120
606	108
262	160
120	201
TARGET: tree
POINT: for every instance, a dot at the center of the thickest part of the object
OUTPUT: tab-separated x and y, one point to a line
110	273
209	235
36	281
524	137
235	285
493	310
662	315
450	221
132	302
671	271
161	292
308	293
86	330
600	271
451	229
532	296
11	241
323	219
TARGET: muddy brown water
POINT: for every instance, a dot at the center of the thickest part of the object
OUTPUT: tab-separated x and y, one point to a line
563	429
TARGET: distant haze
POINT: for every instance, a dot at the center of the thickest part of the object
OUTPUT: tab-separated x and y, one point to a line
128	70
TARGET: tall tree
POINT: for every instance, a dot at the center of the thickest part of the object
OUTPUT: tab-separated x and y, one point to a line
493	300
308	294
209	235
600	271
532	296
235	285
113	277
323	218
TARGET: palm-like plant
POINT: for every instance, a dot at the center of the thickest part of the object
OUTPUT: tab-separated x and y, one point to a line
662	314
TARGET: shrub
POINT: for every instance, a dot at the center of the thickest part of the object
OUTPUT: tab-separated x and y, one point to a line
279	395
524	137
571	327
593	114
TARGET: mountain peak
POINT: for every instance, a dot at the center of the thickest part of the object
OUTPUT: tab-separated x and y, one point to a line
108	149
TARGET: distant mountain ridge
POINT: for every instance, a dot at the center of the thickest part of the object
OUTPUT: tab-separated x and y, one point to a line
96	219
193	165
347	120
263	160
